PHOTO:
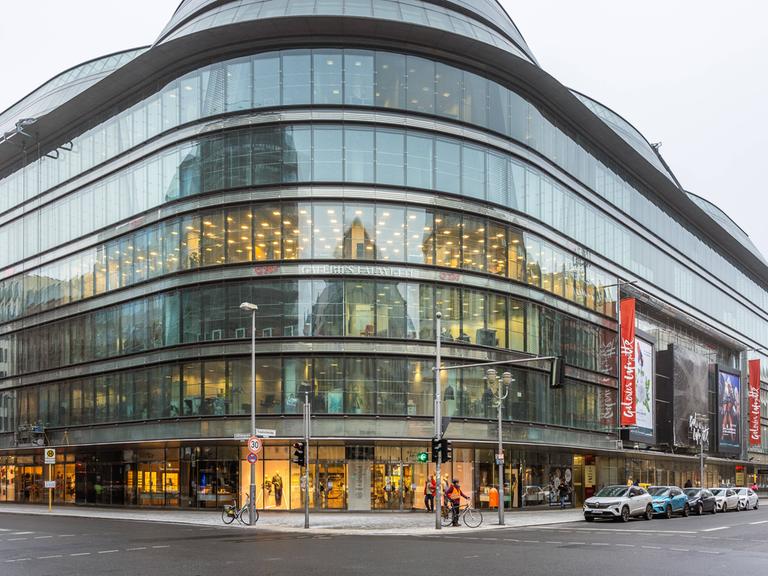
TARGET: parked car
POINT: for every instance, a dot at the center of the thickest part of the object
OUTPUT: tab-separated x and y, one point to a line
619	503
668	500
533	495
700	501
727	499
747	499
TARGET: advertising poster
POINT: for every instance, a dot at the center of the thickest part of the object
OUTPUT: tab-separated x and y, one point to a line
644	389
627	375
690	376
728	411
754	403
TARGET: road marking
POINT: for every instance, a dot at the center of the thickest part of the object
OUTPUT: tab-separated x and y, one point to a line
511	540
108	551
600	544
708	552
717	528
652	547
41	537
137	548
165	546
15	539
552	542
680	549
20	533
465	557
19	560
761	522
47	557
65	535
81	554
492	539
532	541
620	530
625	545
580	543
5	529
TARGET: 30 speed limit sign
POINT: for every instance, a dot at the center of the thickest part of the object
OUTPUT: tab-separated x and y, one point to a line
254	444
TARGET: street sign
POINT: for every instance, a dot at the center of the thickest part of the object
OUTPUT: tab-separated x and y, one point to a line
254	444
252	458
241	436
500	456
50	455
265	432
50	483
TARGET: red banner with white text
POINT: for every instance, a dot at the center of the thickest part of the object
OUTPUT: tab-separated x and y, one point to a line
627	375
754	402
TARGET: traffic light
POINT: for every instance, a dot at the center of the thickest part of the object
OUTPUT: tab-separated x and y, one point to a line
299	454
557	376
422	457
435	449
446	450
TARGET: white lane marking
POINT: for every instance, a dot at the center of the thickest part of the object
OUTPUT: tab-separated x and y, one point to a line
625	545
19	560
493	539
552	542
708	552
165	546
511	540
5	529
47	557
81	554
41	537
582	543
680	549
761	522
532	541
65	535
652	547
20	533
137	548
717	528
15	539
620	530
107	551
471	557
600	544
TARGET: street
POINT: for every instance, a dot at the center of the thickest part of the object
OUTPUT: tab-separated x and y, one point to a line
58	546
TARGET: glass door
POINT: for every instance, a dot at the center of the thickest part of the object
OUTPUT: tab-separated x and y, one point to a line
332	486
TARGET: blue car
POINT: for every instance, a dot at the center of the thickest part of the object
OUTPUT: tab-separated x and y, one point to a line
668	500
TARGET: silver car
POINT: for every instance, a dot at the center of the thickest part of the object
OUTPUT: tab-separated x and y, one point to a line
619	502
748	500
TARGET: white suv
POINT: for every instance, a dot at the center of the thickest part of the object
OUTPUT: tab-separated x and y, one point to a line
747	499
619	503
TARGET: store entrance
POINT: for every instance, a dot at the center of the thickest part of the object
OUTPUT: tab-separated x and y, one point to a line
394	487
331	485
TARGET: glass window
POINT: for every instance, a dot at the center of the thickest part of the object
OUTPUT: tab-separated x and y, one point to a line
267	155
358	155
532	260
327	161
496	331
475	99
473	172
390	80
266	80
191	319
297	154
297	68
390	156
473	314
420	236
391	309
190	98
327	307
267	225
190	241
358	78
191	389
239	235
238	158
448	301
359	308
449	91
473	243
327	238
421	85
213	239
390	233
498	108
392	382
270	299
359	232
297	230
420	161
329	386
361	395
497	249
214	401
154	251
297	381
327	76
421	390
448	236
448	165
238	85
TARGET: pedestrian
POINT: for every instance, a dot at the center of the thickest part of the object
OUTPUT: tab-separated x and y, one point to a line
454	496
430	489
636	483
562	491
688	484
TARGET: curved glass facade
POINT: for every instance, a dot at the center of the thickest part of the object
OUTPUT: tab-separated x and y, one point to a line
351	193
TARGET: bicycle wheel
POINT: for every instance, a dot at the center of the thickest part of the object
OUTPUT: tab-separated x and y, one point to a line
228	514
445	516
473	517
244	515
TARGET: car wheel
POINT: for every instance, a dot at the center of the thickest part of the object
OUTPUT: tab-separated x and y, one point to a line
668	512
714	509
757	504
686	510
725	507
625	514
699	509
648	512
589	518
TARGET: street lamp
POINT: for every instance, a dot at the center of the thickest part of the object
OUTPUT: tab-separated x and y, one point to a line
500	389
252	308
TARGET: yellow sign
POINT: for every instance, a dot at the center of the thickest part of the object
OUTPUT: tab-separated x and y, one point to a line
740	479
590	475
50	455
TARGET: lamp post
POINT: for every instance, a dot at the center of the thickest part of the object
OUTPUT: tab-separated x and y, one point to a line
500	390
252	308
438	424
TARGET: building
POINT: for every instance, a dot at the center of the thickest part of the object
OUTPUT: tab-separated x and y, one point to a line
352	168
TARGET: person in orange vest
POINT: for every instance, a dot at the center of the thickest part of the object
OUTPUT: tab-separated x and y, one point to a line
454	495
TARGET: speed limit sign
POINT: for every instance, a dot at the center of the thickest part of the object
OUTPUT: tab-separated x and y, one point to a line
254	444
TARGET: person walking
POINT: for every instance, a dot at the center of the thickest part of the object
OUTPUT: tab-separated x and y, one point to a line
562	492
454	496
430	489
688	484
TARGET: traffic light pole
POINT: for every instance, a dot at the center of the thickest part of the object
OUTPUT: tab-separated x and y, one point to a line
306	459
438	501
252	500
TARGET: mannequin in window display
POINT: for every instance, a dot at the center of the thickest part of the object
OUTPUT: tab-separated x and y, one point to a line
277	485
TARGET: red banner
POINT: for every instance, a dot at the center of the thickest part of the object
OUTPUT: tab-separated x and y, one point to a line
627	375
754	402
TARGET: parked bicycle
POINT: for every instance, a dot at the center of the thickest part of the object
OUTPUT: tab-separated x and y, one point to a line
472	517
231	512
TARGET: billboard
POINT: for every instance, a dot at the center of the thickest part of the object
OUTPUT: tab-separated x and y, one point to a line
690	380
754	403
728	411
645	394
627	382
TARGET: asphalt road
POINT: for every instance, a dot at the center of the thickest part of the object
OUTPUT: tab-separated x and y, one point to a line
60	546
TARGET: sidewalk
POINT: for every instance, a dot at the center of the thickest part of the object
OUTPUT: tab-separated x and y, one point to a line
347	523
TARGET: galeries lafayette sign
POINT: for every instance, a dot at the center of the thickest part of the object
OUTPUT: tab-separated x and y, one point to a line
754	403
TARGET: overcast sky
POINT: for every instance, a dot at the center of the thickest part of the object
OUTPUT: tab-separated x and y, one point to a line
692	74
